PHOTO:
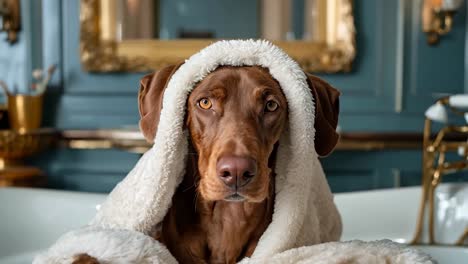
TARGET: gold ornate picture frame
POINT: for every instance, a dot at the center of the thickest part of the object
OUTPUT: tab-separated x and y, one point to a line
99	53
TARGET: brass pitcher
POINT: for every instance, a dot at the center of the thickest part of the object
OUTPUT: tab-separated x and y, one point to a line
25	112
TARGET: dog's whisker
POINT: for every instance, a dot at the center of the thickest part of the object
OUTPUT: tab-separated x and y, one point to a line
188	188
195	200
194	185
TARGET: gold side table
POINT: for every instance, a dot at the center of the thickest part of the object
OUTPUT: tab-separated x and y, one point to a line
14	148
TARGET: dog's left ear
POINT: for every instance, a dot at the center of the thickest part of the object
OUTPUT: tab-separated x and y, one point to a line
327	108
150	99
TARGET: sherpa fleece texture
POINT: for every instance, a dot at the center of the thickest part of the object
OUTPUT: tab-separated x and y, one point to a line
304	211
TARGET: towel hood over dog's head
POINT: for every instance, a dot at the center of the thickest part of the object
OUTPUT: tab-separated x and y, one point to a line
304	211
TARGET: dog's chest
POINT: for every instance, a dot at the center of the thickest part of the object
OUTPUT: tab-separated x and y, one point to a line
233	230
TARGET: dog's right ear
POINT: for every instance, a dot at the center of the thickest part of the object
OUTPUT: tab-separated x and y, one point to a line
327	108
150	98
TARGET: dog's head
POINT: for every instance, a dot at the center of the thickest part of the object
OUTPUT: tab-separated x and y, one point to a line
235	117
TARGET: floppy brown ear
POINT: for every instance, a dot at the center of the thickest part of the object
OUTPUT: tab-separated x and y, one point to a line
150	97
327	108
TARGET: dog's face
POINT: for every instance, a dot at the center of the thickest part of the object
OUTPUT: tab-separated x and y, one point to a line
235	117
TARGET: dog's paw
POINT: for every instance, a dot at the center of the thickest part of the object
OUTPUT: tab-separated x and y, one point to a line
84	259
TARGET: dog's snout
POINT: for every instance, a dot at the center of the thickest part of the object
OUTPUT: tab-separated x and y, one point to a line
236	171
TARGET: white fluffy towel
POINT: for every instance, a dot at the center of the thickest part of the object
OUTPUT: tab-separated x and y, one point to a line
304	211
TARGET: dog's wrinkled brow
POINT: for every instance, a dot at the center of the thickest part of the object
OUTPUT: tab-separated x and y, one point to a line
217	91
265	91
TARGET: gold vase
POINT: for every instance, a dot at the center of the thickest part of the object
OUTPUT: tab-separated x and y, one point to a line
25	112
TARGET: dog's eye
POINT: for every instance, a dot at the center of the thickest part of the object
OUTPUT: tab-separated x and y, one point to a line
271	106
205	103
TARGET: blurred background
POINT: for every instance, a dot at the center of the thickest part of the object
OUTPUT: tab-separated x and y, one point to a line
391	60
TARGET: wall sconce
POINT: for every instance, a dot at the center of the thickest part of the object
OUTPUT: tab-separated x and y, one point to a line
10	19
437	18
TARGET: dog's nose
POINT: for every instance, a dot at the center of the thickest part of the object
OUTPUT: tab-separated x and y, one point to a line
236	171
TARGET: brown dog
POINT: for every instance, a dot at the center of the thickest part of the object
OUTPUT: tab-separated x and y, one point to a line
235	117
